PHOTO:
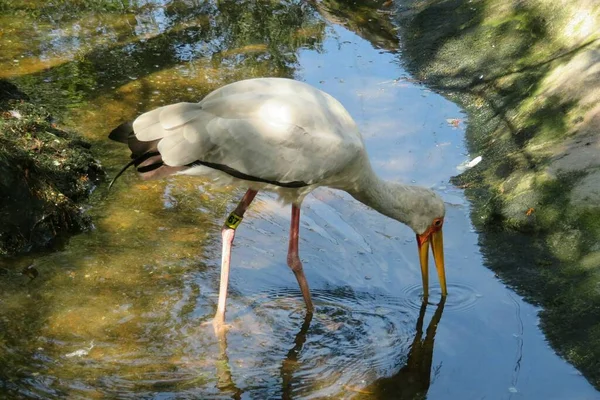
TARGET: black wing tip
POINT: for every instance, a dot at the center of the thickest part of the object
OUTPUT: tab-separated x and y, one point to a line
122	132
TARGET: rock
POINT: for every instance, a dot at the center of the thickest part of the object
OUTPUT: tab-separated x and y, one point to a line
45	175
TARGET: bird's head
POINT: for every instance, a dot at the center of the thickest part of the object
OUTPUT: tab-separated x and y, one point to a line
421	209
426	218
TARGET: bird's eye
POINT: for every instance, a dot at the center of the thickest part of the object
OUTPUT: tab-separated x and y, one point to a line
437	222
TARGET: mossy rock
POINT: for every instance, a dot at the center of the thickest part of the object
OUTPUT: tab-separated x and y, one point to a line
45	175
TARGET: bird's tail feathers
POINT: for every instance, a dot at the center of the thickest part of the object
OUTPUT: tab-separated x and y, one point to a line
122	132
145	155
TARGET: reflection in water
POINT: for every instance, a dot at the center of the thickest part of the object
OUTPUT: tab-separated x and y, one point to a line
142	50
363	19
412	381
290	363
225	381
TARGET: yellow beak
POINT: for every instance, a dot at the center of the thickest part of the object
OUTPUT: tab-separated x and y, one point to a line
436	239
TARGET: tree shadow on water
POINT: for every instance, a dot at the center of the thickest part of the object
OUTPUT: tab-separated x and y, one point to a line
500	60
226	35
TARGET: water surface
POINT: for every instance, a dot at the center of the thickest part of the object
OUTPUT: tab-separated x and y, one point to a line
119	311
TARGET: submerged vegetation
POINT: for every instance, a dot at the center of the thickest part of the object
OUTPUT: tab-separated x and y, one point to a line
45	174
527	74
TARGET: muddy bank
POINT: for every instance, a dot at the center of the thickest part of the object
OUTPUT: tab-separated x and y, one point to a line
45	176
528	75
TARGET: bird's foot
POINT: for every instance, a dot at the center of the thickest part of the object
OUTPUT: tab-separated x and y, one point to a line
219	326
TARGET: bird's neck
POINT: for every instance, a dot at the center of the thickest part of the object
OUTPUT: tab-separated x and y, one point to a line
391	199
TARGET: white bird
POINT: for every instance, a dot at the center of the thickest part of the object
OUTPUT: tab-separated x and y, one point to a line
283	136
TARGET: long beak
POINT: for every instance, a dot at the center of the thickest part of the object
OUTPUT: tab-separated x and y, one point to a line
437	247
423	243
436	239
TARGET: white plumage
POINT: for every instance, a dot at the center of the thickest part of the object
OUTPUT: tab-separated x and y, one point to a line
284	136
276	129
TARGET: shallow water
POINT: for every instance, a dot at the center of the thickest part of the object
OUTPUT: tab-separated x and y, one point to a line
119	311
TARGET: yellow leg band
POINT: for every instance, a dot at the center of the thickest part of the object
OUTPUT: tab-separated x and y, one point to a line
233	221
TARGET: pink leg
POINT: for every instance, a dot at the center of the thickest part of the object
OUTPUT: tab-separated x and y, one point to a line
228	234
294	260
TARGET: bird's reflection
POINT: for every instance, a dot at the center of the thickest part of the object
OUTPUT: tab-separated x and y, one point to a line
413	379
225	381
290	363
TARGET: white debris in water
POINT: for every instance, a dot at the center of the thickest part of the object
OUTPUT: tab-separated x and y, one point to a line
468	165
513	389
474	161
81	352
15	114
454	122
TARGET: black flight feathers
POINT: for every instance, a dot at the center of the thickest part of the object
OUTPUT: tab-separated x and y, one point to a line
140	151
122	132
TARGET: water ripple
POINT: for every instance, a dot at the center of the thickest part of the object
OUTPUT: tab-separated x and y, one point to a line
353	337
461	297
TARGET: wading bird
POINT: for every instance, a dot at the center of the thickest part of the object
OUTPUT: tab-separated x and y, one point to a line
283	136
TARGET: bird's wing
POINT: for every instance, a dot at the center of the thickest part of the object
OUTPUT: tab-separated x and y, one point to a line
280	137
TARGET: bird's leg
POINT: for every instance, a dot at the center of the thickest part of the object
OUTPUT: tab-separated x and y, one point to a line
293	259
228	234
